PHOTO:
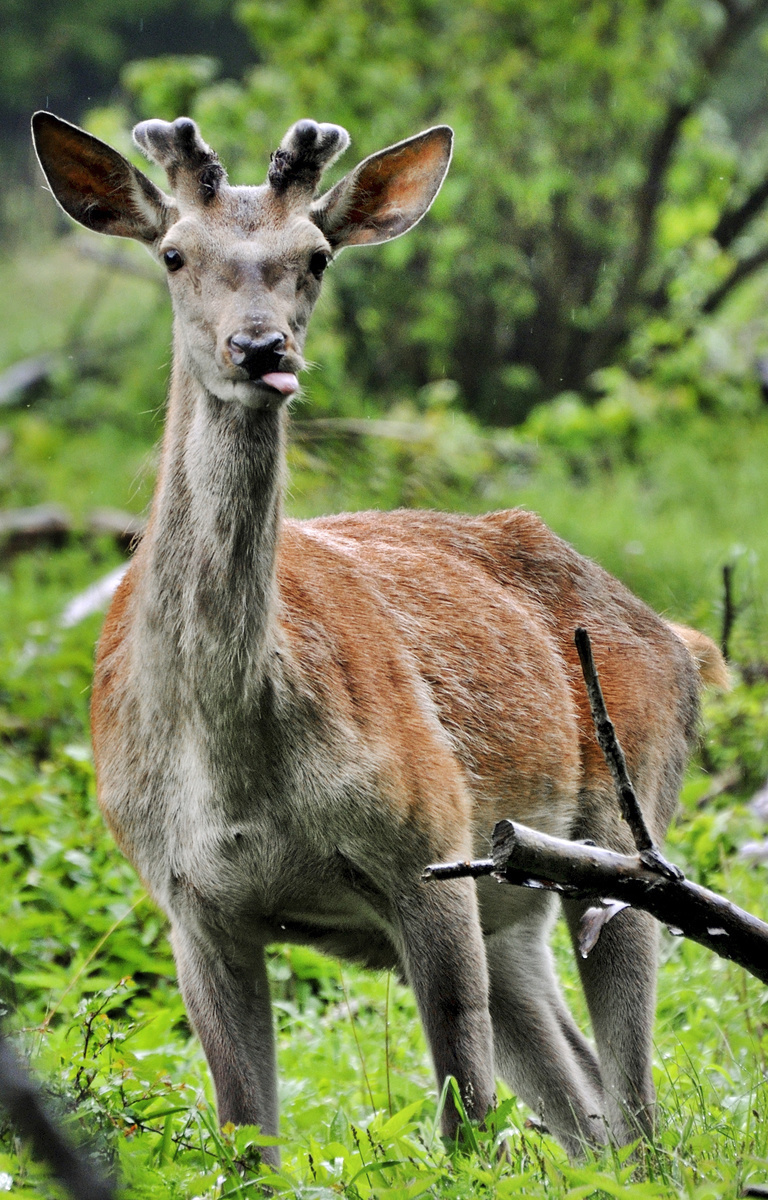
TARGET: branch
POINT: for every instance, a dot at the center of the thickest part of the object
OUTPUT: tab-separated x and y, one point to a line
648	851
729	610
646	209
734	220
738	22
527	858
740	272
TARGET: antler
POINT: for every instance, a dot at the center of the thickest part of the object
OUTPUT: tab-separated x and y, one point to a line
304	153
192	167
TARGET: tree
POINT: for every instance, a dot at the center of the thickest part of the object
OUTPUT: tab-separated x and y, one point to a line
597	182
68	53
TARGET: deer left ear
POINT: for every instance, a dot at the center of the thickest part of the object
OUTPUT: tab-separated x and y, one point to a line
96	185
387	193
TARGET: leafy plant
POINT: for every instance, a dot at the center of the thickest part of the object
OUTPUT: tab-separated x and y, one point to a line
607	191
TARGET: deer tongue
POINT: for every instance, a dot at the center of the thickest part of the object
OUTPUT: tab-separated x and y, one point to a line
281	381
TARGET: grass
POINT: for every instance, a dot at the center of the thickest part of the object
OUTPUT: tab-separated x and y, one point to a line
85	969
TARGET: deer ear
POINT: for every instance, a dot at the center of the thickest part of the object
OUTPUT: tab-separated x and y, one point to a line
387	193
95	184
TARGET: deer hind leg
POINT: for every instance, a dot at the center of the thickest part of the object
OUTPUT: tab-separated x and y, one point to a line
619	980
441	949
619	976
539	1050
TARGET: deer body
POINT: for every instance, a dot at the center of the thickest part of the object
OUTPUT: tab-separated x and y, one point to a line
292	719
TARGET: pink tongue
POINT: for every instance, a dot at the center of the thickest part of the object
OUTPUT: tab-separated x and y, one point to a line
281	381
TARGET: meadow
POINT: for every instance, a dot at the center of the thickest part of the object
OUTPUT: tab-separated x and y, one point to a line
663	483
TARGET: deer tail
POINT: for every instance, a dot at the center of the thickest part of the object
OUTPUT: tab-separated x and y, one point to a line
711	665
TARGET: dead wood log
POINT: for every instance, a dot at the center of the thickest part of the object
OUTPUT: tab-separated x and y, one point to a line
93	599
123	527
25	528
25	378
50	526
528	858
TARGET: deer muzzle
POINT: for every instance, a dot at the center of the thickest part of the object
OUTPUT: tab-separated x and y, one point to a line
261	358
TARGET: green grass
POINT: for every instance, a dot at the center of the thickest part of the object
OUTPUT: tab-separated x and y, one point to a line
109	1034
85	968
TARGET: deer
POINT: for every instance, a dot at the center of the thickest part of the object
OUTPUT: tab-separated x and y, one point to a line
291	719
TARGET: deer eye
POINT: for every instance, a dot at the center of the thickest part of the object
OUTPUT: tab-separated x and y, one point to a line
173	259
318	262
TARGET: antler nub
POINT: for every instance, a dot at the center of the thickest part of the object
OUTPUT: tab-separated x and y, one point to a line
304	153
188	161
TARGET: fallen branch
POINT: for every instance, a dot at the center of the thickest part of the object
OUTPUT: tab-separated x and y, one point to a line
124	528
528	858
51	526
25	528
25	377
93	599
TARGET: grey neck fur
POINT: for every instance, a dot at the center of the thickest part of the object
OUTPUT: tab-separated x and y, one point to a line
209	591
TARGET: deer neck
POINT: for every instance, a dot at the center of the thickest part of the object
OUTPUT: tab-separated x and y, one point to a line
208	588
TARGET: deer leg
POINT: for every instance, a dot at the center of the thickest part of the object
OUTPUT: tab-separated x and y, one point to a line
441	948
229	1006
619	980
539	1050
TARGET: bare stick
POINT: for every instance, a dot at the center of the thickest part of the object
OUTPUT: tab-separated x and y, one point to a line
461	870
526	857
22	1102
729	610
614	756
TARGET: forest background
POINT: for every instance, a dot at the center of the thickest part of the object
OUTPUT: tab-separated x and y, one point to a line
579	326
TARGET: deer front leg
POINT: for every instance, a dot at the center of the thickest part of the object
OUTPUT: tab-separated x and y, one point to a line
441	947
229	1005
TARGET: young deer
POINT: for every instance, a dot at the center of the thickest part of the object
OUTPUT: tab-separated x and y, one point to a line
291	719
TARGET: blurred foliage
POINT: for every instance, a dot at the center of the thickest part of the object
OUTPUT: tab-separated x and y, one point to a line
67	53
607	190
601	196
738	734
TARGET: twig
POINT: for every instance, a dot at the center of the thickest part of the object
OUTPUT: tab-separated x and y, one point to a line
460	870
729	610
614	756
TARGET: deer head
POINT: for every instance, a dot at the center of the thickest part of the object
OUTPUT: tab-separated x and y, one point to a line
244	264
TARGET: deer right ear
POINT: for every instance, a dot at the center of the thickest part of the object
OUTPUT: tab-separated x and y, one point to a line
96	185
387	193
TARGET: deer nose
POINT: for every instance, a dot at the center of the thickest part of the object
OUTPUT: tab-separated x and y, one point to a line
257	356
